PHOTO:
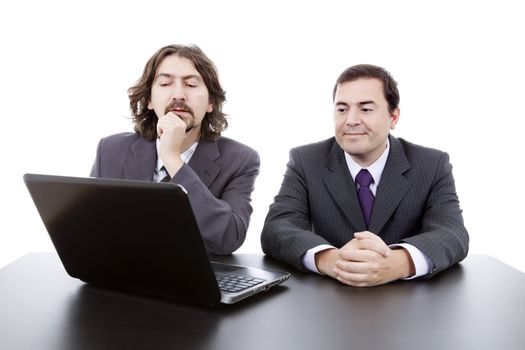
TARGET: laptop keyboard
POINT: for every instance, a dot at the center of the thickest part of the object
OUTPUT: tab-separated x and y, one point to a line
236	283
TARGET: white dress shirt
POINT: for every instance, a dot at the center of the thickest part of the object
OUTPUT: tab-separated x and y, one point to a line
421	262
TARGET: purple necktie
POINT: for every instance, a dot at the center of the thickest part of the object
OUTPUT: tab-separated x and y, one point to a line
366	197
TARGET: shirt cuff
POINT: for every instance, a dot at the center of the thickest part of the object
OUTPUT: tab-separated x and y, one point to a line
422	264
308	258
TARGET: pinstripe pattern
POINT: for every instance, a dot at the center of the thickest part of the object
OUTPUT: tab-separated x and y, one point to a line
416	203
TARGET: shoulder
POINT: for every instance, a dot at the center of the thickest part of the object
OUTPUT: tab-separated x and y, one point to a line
314	151
121	139
415	152
233	148
420	159
118	145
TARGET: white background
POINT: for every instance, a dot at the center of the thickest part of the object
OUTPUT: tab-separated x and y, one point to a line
66	65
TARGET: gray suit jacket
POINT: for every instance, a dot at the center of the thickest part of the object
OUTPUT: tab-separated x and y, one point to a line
415	202
219	178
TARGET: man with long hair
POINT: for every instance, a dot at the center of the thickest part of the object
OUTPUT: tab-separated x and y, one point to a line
177	114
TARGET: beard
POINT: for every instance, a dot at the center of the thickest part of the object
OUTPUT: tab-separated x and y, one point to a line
190	124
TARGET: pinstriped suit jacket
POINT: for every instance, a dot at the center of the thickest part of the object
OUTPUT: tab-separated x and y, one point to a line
219	178
416	203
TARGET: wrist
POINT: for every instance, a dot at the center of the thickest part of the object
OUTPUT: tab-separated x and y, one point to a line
325	261
405	264
173	165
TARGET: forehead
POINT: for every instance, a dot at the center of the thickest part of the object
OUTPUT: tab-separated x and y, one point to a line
177	66
362	89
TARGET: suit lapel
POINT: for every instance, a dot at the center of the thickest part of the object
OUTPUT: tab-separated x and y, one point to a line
392	187
141	161
202	161
341	187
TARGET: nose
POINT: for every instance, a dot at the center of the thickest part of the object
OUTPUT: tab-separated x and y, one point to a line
178	92
352	117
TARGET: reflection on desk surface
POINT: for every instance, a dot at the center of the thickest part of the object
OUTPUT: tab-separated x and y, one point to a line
474	305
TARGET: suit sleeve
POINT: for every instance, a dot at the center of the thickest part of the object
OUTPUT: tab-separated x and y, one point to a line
287	233
95	169
223	220
443	236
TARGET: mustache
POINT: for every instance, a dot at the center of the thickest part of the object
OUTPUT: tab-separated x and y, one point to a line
180	105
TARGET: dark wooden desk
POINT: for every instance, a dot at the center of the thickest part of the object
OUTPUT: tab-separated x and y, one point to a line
479	304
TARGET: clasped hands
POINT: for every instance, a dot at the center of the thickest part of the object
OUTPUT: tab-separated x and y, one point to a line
364	261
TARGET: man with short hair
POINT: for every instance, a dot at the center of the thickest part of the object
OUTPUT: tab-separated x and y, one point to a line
364	207
177	112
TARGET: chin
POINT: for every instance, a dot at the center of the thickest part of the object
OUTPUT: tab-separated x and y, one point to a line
353	149
352	145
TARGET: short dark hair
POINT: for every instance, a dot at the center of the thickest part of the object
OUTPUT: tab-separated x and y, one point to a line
145	120
372	72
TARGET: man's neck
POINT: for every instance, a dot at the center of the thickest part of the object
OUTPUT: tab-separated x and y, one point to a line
369	159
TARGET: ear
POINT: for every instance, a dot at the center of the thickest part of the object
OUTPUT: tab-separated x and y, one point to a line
210	108
150	107
394	118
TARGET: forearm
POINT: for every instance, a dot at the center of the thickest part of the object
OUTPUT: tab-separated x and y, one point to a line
223	223
173	164
442	236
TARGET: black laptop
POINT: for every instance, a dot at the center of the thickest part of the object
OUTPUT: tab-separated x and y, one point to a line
110	233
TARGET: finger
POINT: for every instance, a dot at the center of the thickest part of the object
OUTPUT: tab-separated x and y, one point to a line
361	255
159	129
352	279
352	266
161	125
170	123
368	240
172	115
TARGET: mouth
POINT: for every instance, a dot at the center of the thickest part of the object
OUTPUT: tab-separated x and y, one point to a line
179	108
354	133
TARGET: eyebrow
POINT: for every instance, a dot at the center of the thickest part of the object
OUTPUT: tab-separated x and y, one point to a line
362	103
185	77
366	102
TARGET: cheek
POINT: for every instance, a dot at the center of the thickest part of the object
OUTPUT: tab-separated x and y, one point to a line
153	100
339	122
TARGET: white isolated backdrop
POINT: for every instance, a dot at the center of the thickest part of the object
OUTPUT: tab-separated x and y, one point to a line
66	66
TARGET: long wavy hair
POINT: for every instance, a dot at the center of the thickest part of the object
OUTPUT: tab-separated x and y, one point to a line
145	120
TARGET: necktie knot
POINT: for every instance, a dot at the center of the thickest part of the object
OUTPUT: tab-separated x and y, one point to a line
364	178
